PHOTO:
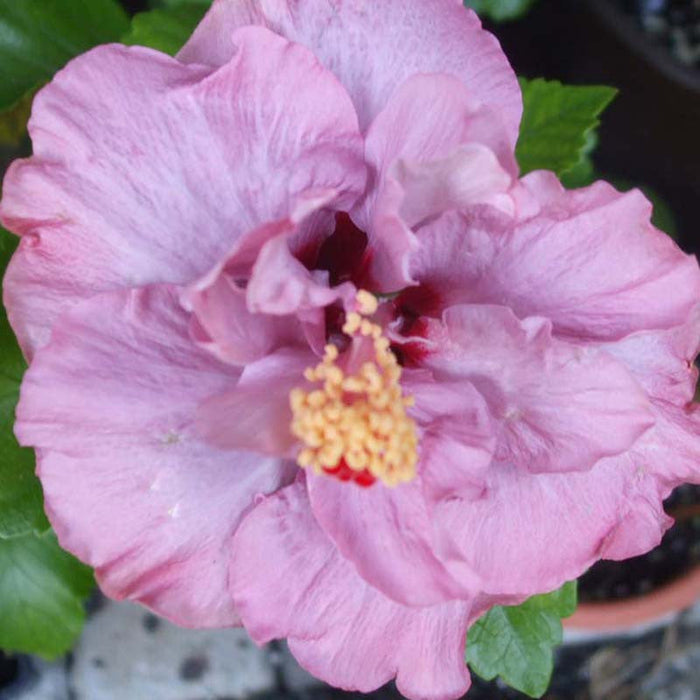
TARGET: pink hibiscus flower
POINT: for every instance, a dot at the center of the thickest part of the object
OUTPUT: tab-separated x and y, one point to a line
308	356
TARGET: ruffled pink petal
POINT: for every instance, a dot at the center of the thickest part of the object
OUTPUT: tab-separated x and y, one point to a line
670	451
387	534
452	256
256	415
288	580
434	148
260	298
130	488
662	360
428	117
224	326
469	176
560	407
537	531
617	508
282	285
457	439
533	532
374	47
590	261
147	170
640	529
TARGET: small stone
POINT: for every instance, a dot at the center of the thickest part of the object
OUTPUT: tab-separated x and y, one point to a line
170	664
652	6
38	680
654	24
675	677
193	668
150	622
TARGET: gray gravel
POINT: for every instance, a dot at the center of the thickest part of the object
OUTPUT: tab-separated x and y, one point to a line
126	653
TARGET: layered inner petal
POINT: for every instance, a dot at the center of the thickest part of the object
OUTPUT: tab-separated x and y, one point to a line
590	261
261	297
559	407
662	362
130	486
457	436
387	533
433	148
255	414
428	116
282	285
223	324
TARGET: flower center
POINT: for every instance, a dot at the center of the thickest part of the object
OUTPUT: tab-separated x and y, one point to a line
355	426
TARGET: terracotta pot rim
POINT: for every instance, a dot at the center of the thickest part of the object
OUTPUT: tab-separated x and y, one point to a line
619	615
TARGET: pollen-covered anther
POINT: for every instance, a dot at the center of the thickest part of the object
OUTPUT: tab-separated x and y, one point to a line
355	427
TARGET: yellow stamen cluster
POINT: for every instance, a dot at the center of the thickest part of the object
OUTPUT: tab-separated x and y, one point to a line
359	419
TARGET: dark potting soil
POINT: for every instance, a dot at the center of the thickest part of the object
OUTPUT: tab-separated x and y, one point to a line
678	552
673	23
8	669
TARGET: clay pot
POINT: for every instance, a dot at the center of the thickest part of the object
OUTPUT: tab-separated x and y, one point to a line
644	610
621	615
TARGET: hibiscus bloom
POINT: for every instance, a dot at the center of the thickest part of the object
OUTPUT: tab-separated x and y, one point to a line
307	355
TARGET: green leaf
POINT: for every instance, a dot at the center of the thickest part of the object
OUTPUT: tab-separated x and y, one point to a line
557	122
516	643
500	10
21	503
583	173
42	590
13	121
166	29
175	3
37	37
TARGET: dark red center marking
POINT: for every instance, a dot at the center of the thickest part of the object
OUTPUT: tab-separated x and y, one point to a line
343	473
